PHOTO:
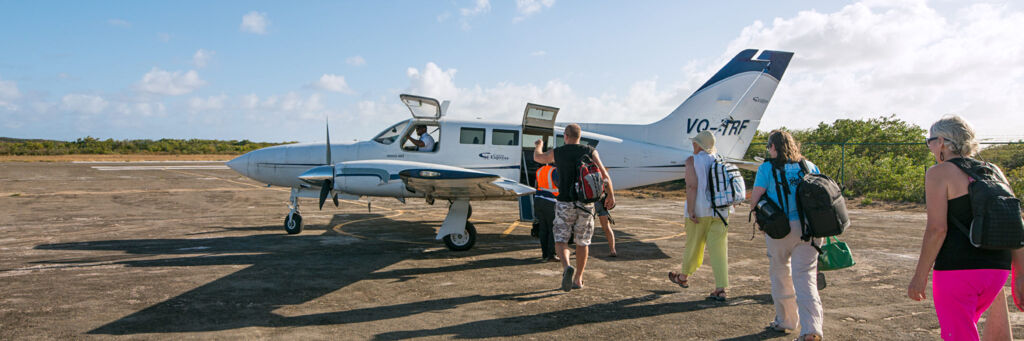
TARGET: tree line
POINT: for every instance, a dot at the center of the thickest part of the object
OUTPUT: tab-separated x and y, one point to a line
92	145
885	158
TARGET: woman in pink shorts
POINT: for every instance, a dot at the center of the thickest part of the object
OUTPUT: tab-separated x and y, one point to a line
966	279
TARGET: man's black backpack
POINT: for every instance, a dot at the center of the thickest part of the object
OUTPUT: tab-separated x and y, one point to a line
821	205
996	222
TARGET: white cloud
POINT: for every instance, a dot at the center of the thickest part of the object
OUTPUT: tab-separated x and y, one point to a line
164	37
443	17
356	61
8	94
538	53
288	103
196	104
9	90
480	7
89	104
254	22
158	81
877	58
432	81
333	83
202	57
527	8
141	109
645	101
119	23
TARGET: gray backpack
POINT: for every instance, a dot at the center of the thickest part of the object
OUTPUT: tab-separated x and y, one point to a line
996	223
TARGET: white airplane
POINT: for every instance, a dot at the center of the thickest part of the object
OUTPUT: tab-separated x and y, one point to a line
480	160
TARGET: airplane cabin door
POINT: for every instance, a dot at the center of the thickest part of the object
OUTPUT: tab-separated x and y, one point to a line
538	124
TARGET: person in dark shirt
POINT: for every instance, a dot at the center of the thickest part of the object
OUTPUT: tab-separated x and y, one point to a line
573	217
965	279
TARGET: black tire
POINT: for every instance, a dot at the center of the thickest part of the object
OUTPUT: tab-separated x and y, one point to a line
462	242
293	224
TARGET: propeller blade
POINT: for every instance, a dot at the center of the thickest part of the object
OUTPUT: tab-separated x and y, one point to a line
335	199
324	190
328	126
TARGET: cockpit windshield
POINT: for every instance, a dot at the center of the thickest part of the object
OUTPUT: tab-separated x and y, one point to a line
388	136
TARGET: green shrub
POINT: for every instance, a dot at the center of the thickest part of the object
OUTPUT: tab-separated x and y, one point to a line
92	145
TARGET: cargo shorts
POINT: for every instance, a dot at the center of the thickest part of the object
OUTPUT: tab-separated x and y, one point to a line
571	220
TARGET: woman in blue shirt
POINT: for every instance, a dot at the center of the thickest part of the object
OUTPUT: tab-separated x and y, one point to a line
793	263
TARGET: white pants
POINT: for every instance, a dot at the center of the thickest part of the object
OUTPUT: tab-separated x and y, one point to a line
795	289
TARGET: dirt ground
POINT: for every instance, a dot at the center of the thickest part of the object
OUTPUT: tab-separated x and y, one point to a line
115	157
150	253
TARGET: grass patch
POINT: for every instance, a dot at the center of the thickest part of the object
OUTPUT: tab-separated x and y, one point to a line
866	201
16	195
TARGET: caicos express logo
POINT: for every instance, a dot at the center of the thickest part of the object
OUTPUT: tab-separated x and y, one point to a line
490	156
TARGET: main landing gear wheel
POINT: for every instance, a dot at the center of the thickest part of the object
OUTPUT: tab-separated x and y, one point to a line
461	241
293	223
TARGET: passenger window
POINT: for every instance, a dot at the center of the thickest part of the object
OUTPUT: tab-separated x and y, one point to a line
501	137
471	136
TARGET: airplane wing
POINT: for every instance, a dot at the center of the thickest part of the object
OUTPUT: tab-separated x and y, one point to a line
447	182
743	164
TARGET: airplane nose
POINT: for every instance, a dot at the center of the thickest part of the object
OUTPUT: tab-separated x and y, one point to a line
240	164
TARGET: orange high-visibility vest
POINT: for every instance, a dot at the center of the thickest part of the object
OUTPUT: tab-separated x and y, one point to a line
545	179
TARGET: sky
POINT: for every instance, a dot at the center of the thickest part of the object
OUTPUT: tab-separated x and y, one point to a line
275	71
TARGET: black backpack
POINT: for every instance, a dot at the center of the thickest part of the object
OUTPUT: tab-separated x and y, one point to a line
821	205
996	223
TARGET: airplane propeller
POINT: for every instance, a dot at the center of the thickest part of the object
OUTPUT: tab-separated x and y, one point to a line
328	185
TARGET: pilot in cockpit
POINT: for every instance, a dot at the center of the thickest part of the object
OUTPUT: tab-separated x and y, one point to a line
425	142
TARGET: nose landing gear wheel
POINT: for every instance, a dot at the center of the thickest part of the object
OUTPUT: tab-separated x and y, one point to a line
461	241
293	223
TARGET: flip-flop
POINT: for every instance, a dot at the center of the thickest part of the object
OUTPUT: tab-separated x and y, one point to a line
674	277
717	296
567	278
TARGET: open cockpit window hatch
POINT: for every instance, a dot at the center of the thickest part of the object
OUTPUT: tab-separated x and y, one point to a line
538	123
424	108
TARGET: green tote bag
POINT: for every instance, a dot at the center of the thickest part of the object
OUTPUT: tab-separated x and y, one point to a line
835	255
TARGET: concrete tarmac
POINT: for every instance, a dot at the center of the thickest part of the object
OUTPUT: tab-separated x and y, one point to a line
195	251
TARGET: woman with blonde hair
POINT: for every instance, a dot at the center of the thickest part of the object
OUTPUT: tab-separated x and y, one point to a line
793	263
965	279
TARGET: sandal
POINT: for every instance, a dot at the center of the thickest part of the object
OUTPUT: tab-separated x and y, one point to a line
775	327
717	295
675	278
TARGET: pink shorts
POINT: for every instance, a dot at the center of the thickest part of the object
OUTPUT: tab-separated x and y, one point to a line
961	296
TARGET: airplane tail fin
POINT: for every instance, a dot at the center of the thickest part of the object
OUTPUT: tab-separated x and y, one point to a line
730	105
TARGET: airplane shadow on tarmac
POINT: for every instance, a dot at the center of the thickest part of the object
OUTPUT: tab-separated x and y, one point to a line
289	270
625	309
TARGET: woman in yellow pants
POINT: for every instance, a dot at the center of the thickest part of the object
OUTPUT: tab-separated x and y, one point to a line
703	226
